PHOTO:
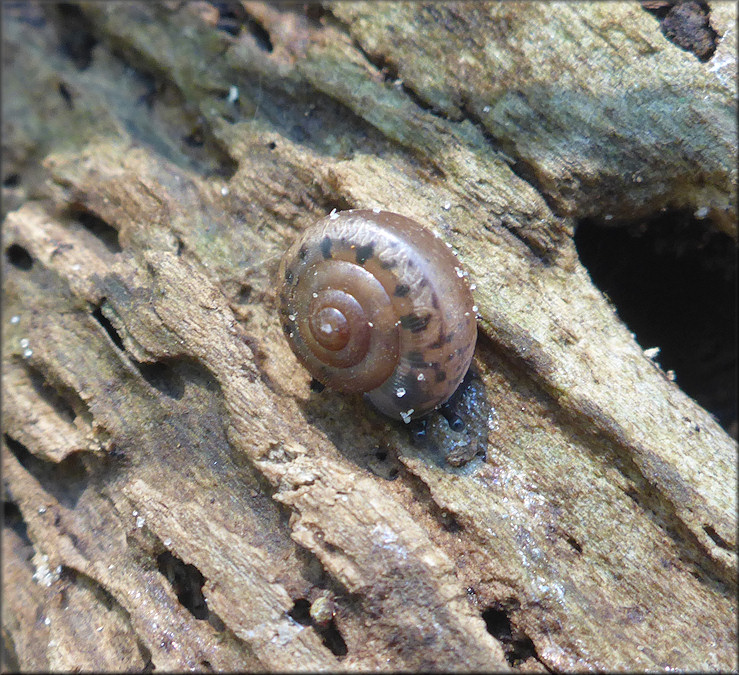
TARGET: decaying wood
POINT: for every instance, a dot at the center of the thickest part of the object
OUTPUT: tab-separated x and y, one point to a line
160	436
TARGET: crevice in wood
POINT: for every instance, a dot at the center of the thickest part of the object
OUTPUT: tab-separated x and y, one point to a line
521	168
187	583
231	17
573	543
300	612
145	653
13	518
233	14
329	633
65	481
52	395
96	226
672	279
163	377
390	75
515	163
167	377
69	405
108	327
75	34
536	252
333	639
718	539
66	95
174	118
518	646
691	550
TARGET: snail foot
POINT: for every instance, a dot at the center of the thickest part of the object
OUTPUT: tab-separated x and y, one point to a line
449	413
418	430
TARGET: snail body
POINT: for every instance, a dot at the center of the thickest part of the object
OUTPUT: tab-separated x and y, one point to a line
373	302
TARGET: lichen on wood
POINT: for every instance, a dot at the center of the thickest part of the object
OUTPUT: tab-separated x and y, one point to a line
176	497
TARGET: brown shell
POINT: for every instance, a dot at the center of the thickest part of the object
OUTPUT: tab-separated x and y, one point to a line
373	302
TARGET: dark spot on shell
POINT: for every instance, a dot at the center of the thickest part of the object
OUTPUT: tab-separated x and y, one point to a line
364	253
289	275
415	323
437	343
435	301
423	282
326	247
288	328
401	290
302	252
449	337
387	264
440	376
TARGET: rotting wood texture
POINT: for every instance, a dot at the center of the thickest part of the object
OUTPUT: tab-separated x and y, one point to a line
175	495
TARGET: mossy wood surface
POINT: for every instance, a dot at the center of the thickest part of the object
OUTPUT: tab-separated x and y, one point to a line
178	498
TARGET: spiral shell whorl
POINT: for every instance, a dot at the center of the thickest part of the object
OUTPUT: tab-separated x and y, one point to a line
373	302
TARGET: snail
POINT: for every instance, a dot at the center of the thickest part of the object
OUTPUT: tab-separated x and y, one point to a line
373	302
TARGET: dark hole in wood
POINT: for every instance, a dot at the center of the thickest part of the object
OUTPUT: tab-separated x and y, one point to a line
145	653
65	94
450	524
231	16
108	328
195	139
163	378
314	12
75	35
259	33
301	612
332	639
518	648
573	542
673	282
244	294
316	386
187	583
65	480
717	538
330	634
13	518
18	257
52	395
96	226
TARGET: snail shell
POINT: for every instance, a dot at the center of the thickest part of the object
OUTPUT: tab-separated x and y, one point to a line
373	302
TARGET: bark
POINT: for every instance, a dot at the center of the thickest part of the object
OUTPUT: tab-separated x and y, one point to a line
176	497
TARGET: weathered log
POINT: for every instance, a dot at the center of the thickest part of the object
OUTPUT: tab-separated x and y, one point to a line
176	497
